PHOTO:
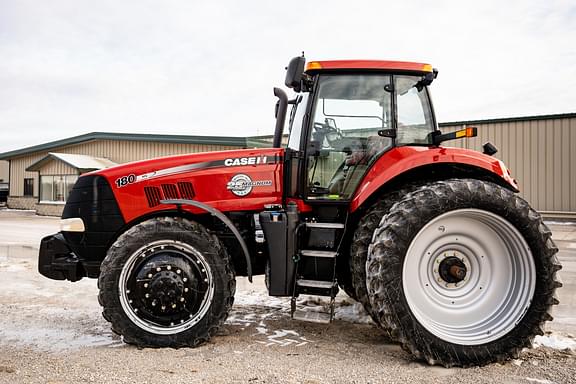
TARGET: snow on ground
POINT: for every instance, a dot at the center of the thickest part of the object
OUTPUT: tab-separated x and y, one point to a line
555	342
57	316
565	223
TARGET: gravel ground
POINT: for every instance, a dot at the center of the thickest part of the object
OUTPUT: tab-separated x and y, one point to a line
52	332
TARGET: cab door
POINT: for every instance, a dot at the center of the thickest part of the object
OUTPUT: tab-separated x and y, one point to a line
351	125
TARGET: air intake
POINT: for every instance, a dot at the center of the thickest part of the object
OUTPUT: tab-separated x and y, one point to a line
153	196
186	190
170	191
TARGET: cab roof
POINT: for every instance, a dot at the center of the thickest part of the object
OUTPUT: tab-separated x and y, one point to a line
381	65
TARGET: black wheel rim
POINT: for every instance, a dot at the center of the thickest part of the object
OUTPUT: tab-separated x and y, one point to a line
166	287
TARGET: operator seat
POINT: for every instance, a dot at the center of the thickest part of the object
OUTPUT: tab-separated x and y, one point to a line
356	164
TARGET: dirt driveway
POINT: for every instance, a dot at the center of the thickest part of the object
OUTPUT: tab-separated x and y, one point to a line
52	332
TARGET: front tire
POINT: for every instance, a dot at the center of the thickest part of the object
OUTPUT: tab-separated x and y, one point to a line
166	282
462	272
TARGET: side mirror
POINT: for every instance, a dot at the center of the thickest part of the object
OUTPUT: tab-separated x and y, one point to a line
294	72
427	79
489	149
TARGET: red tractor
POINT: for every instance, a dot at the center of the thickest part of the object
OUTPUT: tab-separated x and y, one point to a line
433	241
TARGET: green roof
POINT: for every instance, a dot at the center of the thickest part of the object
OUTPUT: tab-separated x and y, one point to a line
510	119
241	142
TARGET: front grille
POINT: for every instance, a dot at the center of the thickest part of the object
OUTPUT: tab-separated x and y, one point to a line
92	200
153	196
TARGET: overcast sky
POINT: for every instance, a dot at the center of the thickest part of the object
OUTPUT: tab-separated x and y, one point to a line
69	67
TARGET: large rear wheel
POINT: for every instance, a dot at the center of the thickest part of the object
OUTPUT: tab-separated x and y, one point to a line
463	272
166	282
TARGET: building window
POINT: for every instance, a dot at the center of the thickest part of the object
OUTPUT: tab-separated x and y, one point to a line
56	188
28	187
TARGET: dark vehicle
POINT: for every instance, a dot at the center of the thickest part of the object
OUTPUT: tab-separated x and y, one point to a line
4	188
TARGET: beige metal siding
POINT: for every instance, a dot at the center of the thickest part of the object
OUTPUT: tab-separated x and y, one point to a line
18	173
117	151
541	155
56	167
4	166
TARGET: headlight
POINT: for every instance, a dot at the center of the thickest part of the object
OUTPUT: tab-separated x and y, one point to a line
74	224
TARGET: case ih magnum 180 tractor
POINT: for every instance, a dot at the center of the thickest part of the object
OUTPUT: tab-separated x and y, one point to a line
432	240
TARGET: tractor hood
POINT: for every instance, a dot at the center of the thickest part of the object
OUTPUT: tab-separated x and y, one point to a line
228	180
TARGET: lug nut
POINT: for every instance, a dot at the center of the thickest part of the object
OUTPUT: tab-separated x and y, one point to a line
145	285
149	275
147	295
182	299
173	306
178	271
163	307
169	267
186	289
127	291
158	269
185	279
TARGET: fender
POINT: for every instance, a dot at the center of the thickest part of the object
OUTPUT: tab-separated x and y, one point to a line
223	219
402	159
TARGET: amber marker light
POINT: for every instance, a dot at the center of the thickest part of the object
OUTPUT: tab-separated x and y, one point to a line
427	68
471	132
466	132
313	65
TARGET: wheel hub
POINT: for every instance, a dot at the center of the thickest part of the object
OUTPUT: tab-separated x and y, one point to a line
452	270
452	267
164	293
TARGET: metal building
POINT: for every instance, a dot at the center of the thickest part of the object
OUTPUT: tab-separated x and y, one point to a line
540	151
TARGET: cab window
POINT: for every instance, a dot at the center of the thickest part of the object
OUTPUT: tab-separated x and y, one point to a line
414	113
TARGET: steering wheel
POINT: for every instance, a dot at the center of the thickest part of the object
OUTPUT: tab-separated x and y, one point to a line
328	130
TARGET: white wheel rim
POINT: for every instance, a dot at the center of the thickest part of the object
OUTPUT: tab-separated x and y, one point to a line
498	286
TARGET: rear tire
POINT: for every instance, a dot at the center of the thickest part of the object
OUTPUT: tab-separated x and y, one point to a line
462	272
361	241
166	282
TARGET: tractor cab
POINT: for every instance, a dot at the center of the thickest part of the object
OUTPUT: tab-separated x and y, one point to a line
346	114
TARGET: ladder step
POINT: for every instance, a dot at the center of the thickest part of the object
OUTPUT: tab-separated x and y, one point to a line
312	316
315	283
325	225
309	253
